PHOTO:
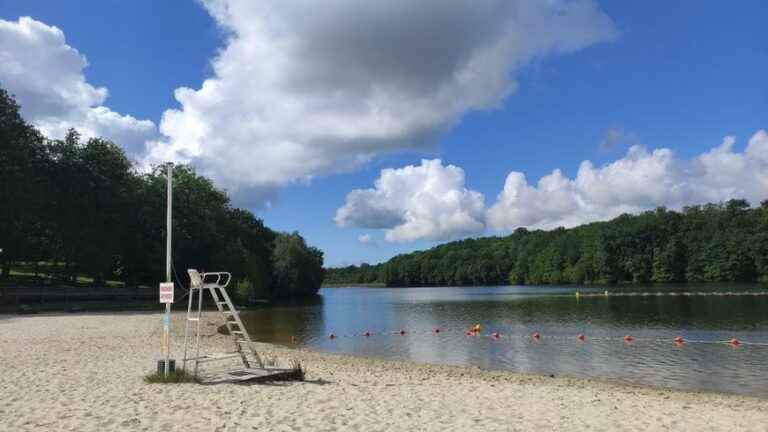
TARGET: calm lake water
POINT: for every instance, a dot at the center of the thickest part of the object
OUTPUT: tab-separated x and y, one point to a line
515	312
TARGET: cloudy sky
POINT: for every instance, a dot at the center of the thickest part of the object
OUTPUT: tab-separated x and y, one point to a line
376	128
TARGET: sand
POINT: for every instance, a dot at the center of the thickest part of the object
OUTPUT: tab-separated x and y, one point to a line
84	373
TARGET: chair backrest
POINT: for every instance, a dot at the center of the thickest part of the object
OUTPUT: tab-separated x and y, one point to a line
195	279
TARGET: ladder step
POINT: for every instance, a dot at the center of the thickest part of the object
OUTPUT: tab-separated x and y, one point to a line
221	303
236	332
193	319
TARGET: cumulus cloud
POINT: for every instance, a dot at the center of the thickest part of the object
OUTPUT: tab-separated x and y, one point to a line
639	181
428	201
366	240
46	76
302	89
431	201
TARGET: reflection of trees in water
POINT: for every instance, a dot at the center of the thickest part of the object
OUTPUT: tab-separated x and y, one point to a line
705	312
278	322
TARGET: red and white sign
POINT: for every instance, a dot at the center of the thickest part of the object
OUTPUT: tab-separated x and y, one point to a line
166	292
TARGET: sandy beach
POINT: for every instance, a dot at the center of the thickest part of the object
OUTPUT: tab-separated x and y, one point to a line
84	373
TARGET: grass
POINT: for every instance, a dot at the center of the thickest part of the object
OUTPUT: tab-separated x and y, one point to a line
177	377
296	373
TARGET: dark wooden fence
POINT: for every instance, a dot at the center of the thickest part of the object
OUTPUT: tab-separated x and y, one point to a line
20	293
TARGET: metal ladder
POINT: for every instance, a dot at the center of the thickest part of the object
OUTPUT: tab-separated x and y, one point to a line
242	341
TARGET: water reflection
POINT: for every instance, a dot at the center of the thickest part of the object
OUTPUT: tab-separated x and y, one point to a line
515	312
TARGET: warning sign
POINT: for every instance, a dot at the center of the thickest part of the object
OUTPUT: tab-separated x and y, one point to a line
166	292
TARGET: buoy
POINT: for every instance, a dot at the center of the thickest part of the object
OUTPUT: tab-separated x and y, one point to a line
476	328
577	294
495	335
402	332
437	330
628	338
581	337
606	293
536	335
679	340
470	333
366	333
331	336
735	342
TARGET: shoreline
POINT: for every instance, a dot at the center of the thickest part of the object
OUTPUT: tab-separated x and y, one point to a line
84	372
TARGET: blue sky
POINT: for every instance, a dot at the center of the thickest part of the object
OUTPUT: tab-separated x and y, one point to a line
669	75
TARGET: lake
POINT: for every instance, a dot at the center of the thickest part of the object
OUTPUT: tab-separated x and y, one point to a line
651	358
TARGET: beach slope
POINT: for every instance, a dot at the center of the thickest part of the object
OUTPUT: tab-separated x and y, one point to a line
84	373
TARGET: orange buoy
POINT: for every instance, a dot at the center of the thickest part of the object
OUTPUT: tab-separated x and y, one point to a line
628	338
735	342
536	335
366	333
679	340
437	330
402	332
581	337
331	336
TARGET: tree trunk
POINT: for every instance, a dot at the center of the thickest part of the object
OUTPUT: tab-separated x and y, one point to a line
6	270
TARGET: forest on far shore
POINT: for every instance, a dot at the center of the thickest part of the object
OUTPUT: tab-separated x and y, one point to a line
725	242
80	209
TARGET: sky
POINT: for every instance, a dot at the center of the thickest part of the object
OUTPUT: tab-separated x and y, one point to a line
380	128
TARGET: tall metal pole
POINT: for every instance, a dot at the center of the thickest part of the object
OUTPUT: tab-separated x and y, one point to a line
167	319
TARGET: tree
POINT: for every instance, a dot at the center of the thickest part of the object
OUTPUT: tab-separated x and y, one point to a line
298	269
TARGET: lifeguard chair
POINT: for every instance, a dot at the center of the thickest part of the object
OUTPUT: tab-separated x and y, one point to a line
216	283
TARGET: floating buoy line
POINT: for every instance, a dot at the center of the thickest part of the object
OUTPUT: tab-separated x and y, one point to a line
669	294
475	332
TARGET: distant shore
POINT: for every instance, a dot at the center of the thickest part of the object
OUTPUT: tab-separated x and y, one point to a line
84	372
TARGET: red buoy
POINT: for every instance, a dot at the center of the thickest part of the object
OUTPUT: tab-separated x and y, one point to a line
469	333
402	332
366	333
581	337
495	335
536	335
437	330
679	340
735	342
628	338
331	336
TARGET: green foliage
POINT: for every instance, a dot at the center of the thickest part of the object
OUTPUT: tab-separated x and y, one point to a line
84	205
715	242
176	377
297	268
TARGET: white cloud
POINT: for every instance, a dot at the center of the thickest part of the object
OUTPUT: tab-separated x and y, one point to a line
303	89
416	202
46	76
431	201
639	181
366	240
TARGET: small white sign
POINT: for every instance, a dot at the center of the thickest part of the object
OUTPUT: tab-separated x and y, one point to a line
166	292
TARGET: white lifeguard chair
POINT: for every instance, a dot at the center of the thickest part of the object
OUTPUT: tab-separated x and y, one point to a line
216	283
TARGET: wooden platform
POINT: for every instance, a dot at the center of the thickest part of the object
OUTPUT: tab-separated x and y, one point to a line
247	375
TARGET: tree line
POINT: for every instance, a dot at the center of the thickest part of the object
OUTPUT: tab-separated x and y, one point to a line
724	242
84	206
